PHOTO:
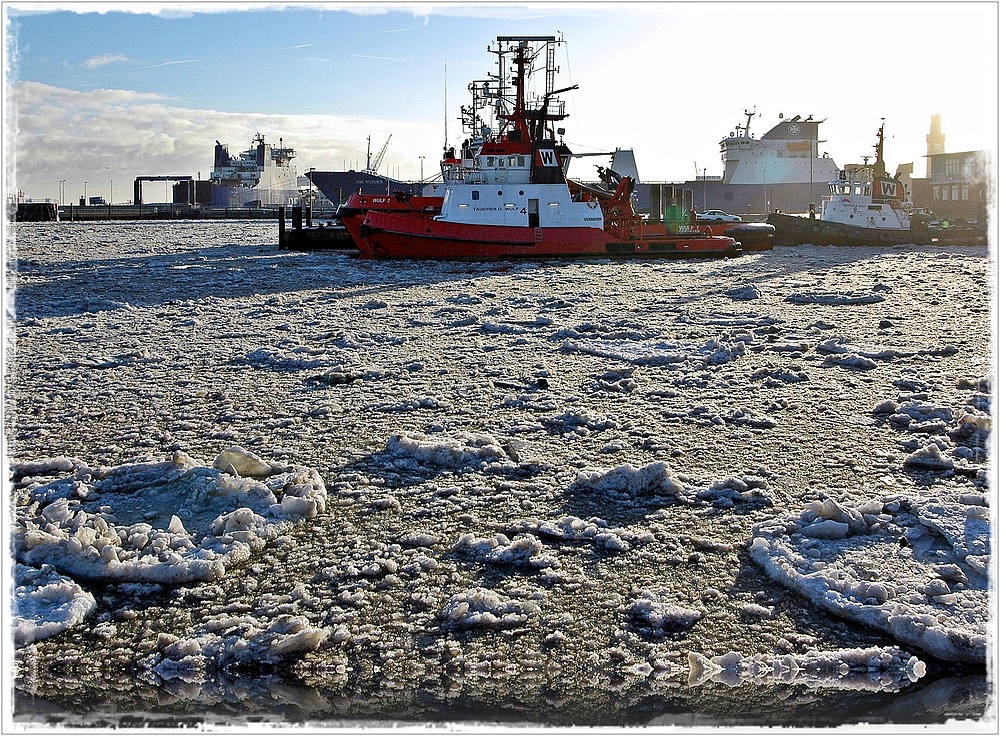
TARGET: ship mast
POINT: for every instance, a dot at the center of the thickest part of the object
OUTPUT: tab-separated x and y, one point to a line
519	122
879	166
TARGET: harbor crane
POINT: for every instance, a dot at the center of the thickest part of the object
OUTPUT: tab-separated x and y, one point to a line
373	164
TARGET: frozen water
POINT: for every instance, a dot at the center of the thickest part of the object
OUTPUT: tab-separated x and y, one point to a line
571	489
46	603
168	522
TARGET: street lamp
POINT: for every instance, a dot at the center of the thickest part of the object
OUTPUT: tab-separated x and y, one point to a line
311	170
764	172
421	169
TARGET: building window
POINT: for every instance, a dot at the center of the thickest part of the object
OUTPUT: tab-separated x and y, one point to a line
965	192
954	192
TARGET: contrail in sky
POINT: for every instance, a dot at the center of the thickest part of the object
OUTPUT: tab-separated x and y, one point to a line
380	58
169	63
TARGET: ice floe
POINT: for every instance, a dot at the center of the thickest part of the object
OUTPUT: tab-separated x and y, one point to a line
913	569
46	603
168	522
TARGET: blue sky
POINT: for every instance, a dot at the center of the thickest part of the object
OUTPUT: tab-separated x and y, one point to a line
102	92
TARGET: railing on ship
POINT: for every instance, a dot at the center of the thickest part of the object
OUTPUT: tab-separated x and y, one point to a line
463	174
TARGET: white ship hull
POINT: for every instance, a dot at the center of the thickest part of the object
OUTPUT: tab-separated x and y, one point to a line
264	175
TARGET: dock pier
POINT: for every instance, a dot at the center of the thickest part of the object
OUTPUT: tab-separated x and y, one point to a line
325	235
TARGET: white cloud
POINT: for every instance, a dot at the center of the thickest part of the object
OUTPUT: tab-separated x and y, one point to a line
104	135
97	61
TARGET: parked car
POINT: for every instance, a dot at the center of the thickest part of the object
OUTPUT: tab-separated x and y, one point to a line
718	216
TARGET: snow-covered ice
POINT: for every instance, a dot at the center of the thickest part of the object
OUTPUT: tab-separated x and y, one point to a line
46	603
572	492
168	522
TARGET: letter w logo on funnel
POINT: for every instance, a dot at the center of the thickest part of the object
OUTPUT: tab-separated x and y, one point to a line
888	189
547	157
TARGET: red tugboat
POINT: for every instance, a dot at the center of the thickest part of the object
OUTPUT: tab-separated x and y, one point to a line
353	212
506	195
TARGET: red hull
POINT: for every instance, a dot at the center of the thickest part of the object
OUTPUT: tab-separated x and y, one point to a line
354	211
398	236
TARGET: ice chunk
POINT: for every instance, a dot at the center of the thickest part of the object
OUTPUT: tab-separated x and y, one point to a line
46	603
168	522
655	611
869	576
655	477
484	608
243	462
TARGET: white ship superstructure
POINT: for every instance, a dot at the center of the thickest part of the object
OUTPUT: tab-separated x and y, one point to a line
786	154
263	174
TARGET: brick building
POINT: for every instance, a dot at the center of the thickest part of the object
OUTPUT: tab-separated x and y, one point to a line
957	186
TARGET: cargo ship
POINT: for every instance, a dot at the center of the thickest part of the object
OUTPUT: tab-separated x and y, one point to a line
264	175
337	186
782	170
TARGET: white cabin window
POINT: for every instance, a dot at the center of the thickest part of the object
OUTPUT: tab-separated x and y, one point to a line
475	194
520	160
489	162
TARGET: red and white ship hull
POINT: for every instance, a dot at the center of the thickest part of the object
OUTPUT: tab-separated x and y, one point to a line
388	235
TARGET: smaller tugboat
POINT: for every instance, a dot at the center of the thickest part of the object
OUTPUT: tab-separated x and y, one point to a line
505	195
864	207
